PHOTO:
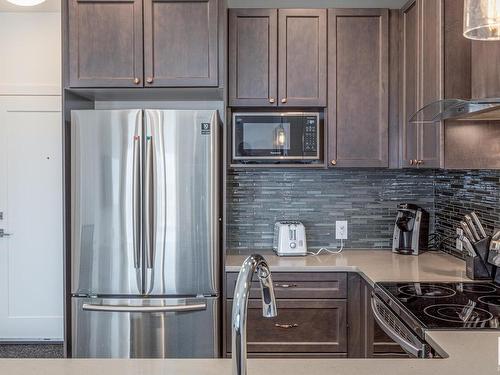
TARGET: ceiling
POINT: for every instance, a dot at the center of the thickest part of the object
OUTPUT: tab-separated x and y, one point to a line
47	6
392	4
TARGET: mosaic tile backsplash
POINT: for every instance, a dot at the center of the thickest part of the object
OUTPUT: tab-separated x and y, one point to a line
458	193
366	198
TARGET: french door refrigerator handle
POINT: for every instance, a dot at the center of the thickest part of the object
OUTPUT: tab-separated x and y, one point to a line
136	193
144	309
148	204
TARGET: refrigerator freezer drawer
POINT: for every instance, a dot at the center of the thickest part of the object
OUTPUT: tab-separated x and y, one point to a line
145	328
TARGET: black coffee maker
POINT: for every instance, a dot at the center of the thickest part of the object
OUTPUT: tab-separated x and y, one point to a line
411	231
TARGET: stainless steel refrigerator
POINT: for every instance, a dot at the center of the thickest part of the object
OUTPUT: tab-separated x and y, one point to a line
145	233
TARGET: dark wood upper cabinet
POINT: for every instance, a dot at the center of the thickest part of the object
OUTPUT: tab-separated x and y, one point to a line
409	80
435	65
105	43
431	59
485	69
422	69
358	87
253	56
302	57
180	43
277	57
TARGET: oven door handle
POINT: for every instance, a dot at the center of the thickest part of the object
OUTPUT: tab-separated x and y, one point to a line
407	345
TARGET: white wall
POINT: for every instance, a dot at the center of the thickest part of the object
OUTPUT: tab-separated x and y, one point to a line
30	55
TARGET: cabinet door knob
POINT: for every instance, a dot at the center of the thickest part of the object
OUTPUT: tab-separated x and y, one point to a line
420	162
137	80
283	100
411	161
149	80
334	162
271	100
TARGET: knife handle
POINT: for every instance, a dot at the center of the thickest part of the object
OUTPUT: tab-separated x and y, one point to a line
472	227
467	231
478	224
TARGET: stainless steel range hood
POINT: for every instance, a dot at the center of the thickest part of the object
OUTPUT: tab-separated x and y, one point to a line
457	109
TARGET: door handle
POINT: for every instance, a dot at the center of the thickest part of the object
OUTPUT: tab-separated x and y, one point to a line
136	193
286	326
4	234
144	309
148	198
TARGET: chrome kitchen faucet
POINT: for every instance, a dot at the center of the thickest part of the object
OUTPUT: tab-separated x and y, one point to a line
254	263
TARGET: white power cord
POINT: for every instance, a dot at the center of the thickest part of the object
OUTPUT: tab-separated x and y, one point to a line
336	251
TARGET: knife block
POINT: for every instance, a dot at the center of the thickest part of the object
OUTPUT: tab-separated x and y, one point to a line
475	269
478	268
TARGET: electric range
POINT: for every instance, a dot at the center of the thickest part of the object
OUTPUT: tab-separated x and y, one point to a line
443	306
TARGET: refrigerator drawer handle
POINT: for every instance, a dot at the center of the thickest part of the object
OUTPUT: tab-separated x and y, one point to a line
144	309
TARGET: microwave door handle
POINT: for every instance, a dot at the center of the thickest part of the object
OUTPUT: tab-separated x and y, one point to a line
144	309
407	346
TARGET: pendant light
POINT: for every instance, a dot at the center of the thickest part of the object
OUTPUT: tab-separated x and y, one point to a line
482	19
26	3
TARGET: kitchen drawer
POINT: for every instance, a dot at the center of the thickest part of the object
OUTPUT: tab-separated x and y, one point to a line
302	326
315	285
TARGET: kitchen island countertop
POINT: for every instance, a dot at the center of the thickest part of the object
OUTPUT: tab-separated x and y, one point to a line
469	353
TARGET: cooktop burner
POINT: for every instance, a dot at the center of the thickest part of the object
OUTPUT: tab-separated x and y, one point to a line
477	288
444	305
490	300
426	290
458	313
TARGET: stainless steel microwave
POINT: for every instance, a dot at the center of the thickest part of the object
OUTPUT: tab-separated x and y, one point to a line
290	136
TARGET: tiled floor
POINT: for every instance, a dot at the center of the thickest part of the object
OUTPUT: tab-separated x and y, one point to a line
31	350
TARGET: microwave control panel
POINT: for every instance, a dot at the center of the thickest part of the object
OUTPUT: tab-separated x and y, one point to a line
310	136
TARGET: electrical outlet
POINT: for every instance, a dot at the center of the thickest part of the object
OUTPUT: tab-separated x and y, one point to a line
341	230
458	242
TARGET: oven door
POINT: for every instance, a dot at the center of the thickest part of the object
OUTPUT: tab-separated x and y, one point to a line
397	330
269	136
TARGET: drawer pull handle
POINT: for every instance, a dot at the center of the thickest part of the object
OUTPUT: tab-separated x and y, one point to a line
286	326
285	285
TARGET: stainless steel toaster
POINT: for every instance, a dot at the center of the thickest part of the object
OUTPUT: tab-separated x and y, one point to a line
289	238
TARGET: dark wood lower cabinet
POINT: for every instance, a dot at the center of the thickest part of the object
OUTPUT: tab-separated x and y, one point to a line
320	315
302	326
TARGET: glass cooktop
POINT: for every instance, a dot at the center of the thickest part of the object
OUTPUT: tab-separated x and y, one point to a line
446	305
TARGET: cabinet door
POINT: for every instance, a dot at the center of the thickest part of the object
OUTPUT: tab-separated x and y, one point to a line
105	43
302	57
180	43
485	75
302	326
409	79
430	80
253	57
358	86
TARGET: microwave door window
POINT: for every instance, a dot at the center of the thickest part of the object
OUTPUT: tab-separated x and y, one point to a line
265	139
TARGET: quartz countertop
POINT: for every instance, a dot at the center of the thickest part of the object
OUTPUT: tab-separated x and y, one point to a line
374	265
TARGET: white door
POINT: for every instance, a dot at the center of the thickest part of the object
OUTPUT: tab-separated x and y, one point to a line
31	255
